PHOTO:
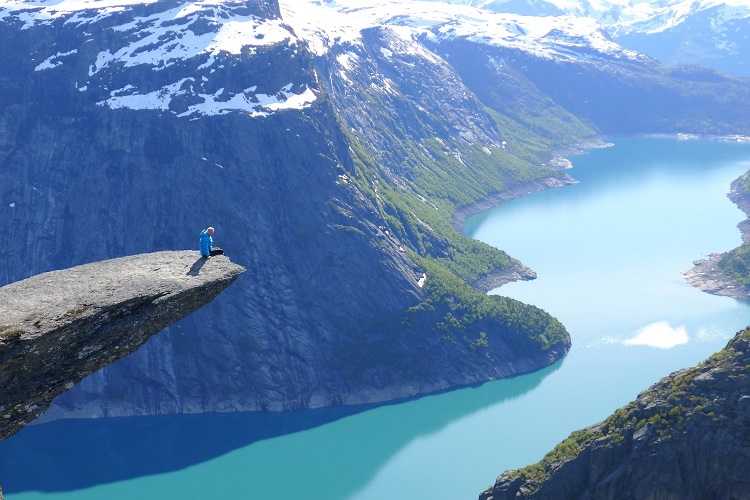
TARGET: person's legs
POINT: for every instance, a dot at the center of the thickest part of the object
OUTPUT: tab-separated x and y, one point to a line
216	251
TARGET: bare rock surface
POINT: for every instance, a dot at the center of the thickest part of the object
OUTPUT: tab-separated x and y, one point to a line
60	326
705	275
684	438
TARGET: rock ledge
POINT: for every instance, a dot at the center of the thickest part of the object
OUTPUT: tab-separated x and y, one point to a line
58	327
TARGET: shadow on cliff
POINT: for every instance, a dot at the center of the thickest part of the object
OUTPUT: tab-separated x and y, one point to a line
70	455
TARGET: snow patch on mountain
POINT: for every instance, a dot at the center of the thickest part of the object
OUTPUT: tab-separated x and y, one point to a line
163	39
213	104
197	34
323	24
54	60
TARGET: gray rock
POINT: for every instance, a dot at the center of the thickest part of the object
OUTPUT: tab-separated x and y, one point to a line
58	327
684	438
706	274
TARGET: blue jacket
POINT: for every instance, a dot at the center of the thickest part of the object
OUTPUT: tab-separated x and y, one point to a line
206	243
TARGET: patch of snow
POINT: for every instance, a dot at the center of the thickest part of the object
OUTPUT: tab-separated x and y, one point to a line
322	26
53	61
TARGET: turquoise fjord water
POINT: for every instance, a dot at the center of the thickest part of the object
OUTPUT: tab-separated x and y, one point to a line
609	252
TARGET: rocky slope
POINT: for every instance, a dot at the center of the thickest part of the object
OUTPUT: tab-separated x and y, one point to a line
184	129
686	437
330	147
61	326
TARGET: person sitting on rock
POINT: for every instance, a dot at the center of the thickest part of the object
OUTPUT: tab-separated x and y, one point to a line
206	243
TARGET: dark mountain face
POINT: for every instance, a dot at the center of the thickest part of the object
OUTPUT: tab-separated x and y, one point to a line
115	140
331	176
613	95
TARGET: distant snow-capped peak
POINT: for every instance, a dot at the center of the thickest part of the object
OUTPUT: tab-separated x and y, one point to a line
609	12
199	36
661	17
563	37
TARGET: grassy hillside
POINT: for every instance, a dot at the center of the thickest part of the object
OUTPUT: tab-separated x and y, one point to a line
419	173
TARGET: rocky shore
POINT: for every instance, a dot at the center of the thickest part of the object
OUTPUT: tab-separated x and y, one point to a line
519	191
684	438
706	275
517	271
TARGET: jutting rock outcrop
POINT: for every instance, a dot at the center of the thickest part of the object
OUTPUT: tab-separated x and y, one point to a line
684	438
58	327
725	273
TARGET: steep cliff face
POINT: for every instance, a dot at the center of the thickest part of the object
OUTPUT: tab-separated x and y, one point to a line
61	326
131	129
330	162
685	437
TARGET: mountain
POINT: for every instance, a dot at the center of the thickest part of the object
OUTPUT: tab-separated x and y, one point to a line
334	148
684	438
713	33
128	128
696	32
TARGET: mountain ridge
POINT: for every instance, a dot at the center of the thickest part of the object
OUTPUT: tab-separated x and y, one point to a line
291	191
342	205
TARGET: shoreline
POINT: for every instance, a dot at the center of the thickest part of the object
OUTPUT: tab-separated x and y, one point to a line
518	271
705	275
558	161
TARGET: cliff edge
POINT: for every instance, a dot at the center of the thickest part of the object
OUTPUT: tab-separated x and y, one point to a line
684	438
58	327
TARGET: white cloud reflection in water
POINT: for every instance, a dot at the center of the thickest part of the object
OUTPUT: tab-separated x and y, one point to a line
660	334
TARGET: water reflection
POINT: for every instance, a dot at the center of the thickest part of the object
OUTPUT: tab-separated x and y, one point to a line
660	334
71	455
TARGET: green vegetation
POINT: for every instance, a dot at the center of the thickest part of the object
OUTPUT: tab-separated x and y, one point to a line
736	263
7	334
534	475
459	311
666	408
350	229
418	177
